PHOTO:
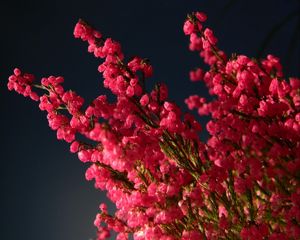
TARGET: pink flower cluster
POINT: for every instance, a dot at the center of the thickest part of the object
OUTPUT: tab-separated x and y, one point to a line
243	183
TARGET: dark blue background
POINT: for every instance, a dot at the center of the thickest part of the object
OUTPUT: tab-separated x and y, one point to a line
44	194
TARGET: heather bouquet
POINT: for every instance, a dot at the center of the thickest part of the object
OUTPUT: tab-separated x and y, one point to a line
166	183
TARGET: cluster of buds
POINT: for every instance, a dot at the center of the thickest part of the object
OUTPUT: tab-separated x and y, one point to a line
242	183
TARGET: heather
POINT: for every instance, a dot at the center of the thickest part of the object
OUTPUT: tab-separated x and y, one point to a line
242	183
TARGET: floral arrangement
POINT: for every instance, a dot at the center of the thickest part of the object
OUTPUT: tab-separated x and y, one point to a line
242	183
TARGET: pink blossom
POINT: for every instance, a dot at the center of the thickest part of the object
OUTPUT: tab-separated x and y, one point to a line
164	179
188	27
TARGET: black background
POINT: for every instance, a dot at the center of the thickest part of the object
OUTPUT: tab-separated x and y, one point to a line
44	194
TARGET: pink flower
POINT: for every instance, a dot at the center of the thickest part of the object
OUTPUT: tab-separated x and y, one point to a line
208	33
144	100
166	181
201	16
188	27
196	75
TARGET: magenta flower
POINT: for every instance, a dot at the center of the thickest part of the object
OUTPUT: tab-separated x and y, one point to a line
166	183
